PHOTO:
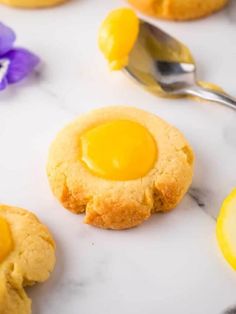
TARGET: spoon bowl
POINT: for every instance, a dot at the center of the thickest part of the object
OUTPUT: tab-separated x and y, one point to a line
166	67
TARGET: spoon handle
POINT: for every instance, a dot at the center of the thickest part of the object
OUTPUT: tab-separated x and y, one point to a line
212	95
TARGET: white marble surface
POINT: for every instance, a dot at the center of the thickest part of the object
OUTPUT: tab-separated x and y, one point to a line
170	264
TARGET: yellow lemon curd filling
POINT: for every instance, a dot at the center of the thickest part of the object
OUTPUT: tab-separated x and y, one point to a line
226	229
6	242
117	36
118	150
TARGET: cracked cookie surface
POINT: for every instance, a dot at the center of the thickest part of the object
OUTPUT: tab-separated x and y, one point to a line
120	204
30	260
179	9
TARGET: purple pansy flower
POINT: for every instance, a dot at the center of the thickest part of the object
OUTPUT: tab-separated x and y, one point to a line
15	63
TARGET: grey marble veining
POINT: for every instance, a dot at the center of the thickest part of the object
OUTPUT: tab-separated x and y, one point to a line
230	311
231	12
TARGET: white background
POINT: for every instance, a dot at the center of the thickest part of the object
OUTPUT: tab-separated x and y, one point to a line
170	264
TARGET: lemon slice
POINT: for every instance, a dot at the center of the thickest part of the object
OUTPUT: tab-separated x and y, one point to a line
226	229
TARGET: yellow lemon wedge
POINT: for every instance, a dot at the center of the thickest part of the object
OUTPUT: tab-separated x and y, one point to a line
117	36
226	229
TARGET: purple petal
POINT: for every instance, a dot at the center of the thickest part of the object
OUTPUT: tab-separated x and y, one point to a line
22	63
4	66
7	38
3	84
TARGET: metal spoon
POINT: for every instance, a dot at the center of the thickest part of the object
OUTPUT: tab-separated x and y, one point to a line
165	66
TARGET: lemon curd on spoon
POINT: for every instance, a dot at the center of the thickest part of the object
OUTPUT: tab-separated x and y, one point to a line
117	36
